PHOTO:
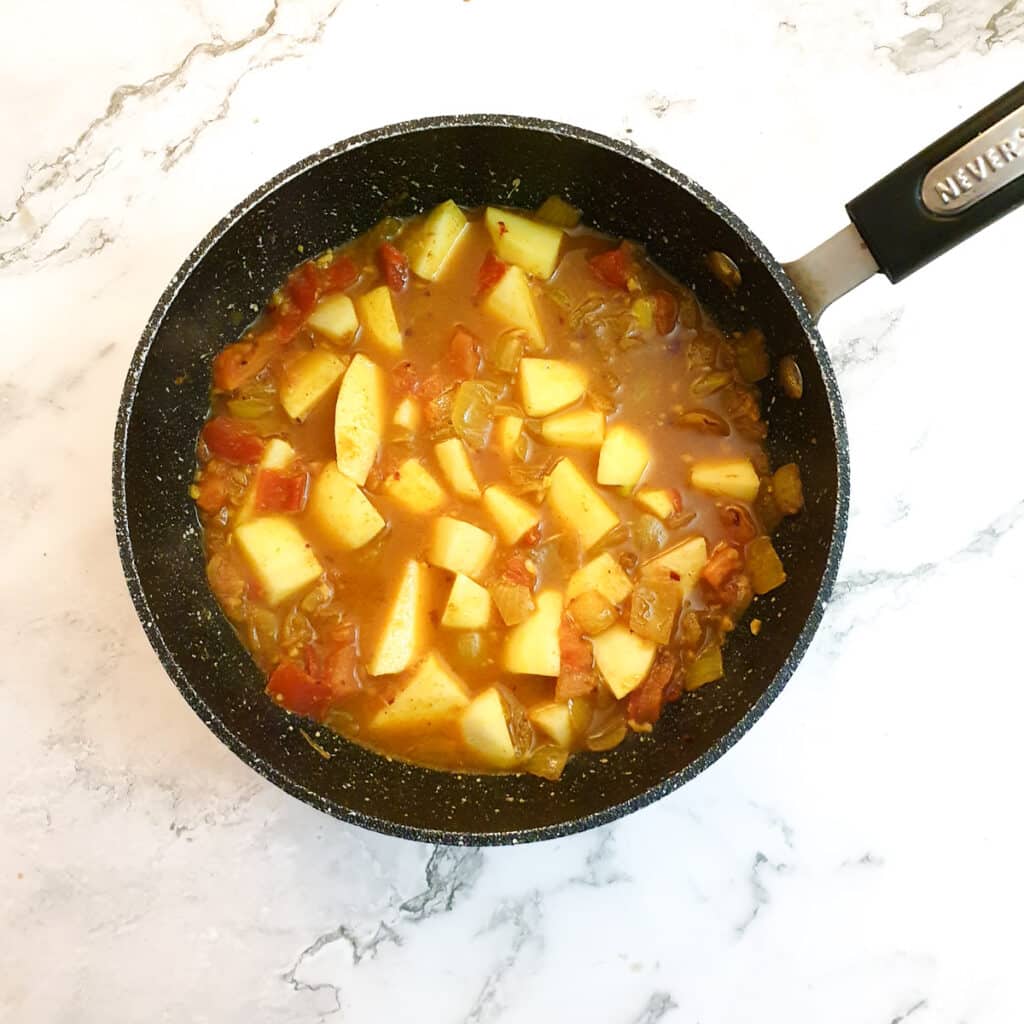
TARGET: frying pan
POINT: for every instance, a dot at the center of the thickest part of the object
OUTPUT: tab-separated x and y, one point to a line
944	194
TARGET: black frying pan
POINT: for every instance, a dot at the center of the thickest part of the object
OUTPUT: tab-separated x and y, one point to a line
902	222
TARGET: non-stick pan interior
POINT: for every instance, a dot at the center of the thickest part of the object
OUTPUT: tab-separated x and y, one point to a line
324	201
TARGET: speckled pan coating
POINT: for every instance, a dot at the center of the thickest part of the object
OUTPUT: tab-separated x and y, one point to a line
326	199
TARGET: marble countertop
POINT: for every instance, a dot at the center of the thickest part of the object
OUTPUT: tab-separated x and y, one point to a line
856	858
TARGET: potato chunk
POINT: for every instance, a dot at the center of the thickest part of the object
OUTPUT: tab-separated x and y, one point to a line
547	385
334	316
625	455
454	461
623	658
526	243
308	380
377	315
681	564
555	720
513	516
510	301
577	428
460	547
733	478
278	555
577	505
341	510
468	606
532	647
414	488
485	729
660	501
402	633
433	243
408	414
604	575
507	432
359	418
433	696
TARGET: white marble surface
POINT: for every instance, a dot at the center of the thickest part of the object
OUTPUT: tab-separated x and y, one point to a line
857	858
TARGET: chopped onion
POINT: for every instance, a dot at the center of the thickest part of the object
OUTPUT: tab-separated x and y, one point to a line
473	410
513	601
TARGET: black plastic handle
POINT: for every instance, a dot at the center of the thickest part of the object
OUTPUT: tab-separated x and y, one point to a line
957	186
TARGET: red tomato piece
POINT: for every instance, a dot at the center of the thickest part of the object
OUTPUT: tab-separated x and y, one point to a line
646	701
576	651
515	571
530	538
725	561
738	523
303	287
463	354
393	266
492	270
666	309
241	362
281	490
614	267
297	691
228	439
213	489
341	672
338	274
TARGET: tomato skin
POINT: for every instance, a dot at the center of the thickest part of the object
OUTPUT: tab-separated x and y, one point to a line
646	701
393	266
463	354
303	288
338	274
239	363
281	490
297	691
725	561
666	309
228	439
213	489
614	267
492	270
341	674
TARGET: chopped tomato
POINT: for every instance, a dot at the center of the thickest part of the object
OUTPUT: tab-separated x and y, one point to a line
666	309
463	354
738	523
576	651
311	663
725	561
281	490
614	267
405	378
228	439
297	691
341	672
394	266
303	287
492	270
516	571
338	274
239	363
646	701
213	488
530	538
736	594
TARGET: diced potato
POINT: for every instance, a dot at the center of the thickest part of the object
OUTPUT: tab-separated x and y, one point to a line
625	455
554	718
532	647
413	487
335	317
460	547
485	729
454	461
308	380
408	414
511	515
527	243
555	210
359	418
604	575
705	668
401	635
434	241
547	385
277	454
278	555
468	606
577	428
511	302
660	501
341	510
577	506
433	696
507	432
623	658
681	564
764	567
377	315
733	478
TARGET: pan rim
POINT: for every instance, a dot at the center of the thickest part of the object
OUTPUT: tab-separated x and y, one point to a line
372	821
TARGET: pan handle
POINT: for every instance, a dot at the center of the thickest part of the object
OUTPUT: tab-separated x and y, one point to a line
958	185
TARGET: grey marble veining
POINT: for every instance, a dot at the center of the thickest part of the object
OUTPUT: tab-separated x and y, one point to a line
854	859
